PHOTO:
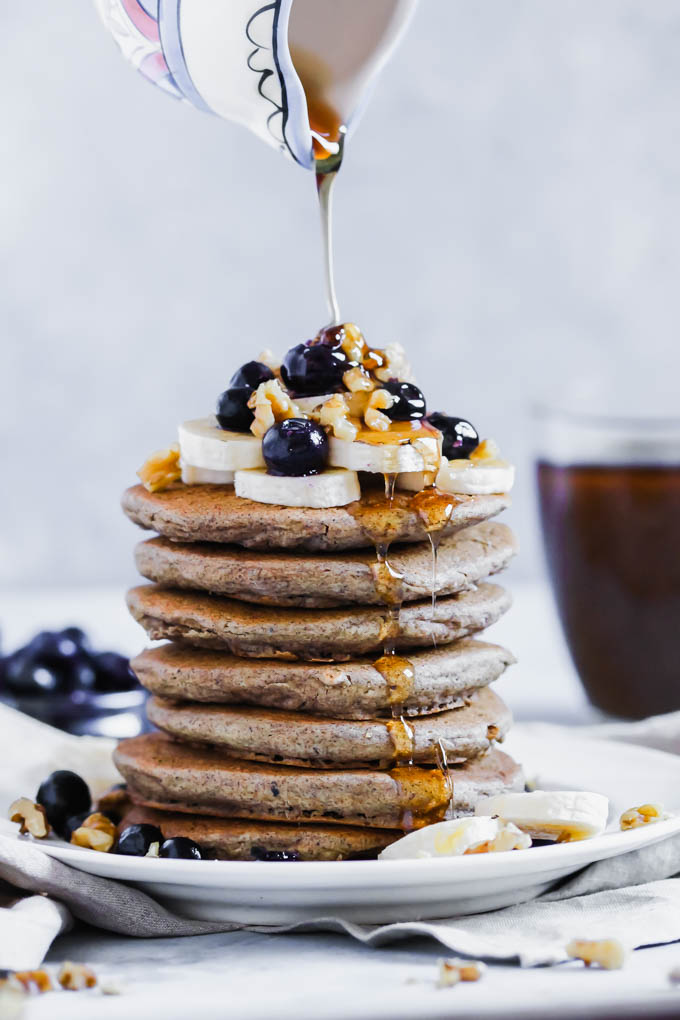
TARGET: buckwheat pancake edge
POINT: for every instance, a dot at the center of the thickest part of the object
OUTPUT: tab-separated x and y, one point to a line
443	678
331	634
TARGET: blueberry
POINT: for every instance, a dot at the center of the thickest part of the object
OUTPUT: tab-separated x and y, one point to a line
295	446
81	672
24	674
135	840
113	672
318	365
63	794
261	854
410	403
251	375
232	409
181	847
460	437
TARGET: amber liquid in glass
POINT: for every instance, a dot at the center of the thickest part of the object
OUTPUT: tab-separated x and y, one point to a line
612	539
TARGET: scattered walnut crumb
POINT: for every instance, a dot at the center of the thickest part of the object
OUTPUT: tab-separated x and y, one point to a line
453	971
161	469
34	979
271	404
75	976
379	401
335	414
109	988
268	358
606	953
31	816
96	833
646	814
154	850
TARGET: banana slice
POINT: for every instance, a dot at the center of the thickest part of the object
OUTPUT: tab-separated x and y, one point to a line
383	457
203	444
204	476
457	837
330	488
464	477
562	815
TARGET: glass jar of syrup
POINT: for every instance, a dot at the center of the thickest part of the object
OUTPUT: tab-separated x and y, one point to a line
609	493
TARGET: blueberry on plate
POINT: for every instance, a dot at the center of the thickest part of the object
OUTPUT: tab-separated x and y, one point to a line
27	675
113	673
180	847
63	794
318	365
232	411
295	446
251	375
460	437
410	402
135	840
259	853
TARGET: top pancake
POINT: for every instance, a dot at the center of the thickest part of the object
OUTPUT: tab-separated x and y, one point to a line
214	513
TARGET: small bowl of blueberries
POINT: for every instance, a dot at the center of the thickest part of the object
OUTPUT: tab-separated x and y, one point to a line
60	679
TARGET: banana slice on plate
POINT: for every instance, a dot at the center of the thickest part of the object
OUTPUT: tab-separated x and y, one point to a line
457	837
464	477
203	444
204	476
563	815
330	488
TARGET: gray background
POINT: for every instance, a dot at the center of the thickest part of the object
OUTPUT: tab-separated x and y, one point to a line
509	211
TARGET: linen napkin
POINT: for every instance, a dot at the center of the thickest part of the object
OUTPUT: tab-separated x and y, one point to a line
633	897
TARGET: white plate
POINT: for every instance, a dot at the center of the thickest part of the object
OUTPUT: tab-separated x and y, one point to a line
382	891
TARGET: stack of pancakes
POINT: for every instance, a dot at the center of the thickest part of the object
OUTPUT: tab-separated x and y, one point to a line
284	726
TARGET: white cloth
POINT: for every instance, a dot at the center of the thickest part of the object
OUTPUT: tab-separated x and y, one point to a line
634	898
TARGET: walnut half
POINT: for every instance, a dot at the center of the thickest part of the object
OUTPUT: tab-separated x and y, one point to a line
161	469
73	977
31	816
645	814
453	971
96	833
606	953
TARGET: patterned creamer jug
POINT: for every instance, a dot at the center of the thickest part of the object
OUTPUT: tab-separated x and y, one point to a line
287	70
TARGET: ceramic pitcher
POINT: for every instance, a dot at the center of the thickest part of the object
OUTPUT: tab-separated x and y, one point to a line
257	64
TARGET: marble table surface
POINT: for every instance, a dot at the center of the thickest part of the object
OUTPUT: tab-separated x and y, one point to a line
245	975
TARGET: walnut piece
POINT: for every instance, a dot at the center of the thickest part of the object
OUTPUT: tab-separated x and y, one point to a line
161	469
96	833
395	364
271	404
353	343
606	953
75	976
268	358
379	401
31	816
334	413
357	380
453	971
646	814
486	451
38	979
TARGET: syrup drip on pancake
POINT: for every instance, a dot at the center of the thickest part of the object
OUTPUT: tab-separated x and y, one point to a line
423	793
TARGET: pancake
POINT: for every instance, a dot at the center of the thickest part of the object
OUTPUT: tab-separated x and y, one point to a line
164	774
214	513
443	678
328	634
330	579
239	840
291	738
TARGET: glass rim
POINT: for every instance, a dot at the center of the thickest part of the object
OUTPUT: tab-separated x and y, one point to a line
603	420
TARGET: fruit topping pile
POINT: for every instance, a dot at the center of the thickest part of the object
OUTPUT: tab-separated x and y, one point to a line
298	433
63	661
